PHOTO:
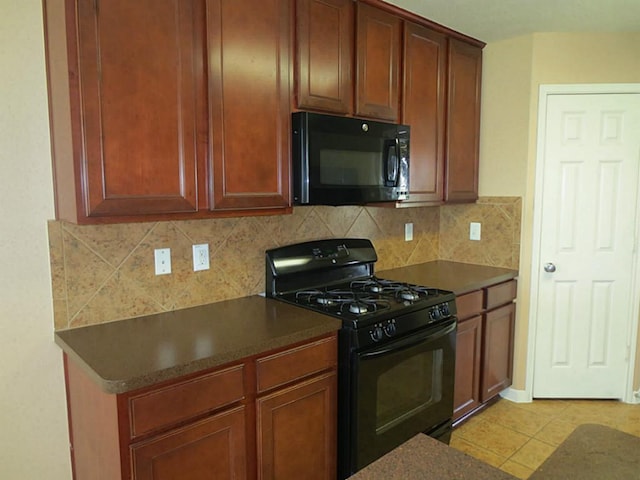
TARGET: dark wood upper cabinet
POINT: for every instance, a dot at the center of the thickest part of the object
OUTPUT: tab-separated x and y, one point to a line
174	109
249	91
378	50
423	107
126	88
463	122
155	117
325	39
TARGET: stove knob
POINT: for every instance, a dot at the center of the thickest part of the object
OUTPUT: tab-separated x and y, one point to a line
445	309
390	329
435	313
377	334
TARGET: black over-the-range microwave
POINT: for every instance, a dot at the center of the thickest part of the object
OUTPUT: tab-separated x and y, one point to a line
348	161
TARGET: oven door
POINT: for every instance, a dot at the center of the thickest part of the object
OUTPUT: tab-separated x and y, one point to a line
402	387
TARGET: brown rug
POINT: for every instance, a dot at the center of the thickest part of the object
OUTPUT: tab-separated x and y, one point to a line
593	452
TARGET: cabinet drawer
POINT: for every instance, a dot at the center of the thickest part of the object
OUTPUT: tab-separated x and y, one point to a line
179	402
501	294
469	304
284	367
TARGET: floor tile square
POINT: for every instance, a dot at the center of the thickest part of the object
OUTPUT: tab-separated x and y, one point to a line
533	453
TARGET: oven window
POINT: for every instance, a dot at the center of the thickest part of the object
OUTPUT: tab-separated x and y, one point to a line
409	387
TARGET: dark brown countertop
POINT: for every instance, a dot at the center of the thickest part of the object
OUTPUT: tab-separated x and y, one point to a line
129	354
423	457
458	277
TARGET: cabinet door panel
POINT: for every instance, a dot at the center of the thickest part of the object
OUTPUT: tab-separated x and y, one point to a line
214	448
325	53
467	383
378	59
424	110
139	72
463	122
297	431
497	351
249	55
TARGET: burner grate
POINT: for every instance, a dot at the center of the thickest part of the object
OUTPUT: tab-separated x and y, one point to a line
341	301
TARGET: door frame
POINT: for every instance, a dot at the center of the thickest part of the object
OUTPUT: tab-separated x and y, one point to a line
545	91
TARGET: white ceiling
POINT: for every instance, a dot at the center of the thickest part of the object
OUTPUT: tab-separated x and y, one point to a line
493	20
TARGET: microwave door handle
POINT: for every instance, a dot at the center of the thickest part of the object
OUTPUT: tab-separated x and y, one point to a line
392	172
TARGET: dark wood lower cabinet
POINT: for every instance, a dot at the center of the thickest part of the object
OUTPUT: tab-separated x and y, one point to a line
297	432
484	350
270	416
468	355
497	369
214	448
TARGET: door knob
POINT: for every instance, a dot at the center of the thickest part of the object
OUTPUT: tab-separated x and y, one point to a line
549	267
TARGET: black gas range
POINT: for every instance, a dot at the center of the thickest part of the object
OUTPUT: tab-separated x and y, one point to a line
336	277
396	345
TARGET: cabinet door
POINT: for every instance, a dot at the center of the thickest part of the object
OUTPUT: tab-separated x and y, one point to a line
467	383
249	63
214	448
324	41
137	100
424	110
463	122
378	63
297	431
497	366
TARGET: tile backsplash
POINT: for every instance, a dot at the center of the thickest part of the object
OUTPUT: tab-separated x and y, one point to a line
106	272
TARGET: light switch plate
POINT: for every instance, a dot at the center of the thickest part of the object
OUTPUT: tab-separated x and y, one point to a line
474	231
162	260
201	257
408	232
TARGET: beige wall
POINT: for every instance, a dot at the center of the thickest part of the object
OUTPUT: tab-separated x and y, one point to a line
513	71
33	423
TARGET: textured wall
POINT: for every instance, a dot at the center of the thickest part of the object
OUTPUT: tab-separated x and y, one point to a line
34	443
105	272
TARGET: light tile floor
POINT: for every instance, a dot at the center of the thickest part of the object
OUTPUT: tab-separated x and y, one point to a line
518	437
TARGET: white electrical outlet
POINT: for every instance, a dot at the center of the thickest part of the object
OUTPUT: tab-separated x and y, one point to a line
408	232
162	260
201	257
474	231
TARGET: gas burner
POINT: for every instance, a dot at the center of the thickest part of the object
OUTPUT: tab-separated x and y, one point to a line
375	285
358	308
408	294
401	291
362	305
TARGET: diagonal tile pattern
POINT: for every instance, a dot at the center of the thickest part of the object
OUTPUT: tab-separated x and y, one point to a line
519	437
103	273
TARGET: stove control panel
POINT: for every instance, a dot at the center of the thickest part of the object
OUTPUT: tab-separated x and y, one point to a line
439	311
386	329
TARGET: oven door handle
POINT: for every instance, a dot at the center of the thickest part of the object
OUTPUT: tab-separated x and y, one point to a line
409	342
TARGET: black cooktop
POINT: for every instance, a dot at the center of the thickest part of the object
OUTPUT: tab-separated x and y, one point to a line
366	300
336	277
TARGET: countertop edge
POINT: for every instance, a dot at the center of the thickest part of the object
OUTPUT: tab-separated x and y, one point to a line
121	386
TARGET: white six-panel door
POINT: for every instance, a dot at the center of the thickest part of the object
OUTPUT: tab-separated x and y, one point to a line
586	245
